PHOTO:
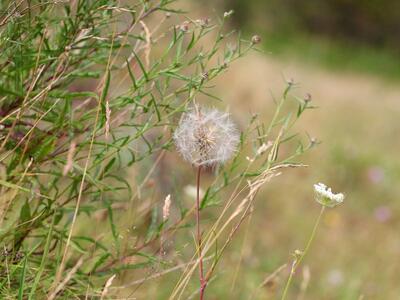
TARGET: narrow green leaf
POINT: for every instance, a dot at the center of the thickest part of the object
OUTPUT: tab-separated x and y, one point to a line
109	165
153	225
100	261
44	148
22	281
113	228
25	214
153	101
141	66
43	261
192	42
131	75
17	187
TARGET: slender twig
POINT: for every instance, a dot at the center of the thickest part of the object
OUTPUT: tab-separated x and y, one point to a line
67	278
268	279
158	275
244	243
298	260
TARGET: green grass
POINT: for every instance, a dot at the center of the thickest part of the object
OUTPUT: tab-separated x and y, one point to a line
334	54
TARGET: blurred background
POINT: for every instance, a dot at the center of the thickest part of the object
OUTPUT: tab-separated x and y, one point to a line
346	55
346	34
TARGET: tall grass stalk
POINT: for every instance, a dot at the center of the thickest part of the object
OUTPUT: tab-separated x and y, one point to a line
203	282
300	256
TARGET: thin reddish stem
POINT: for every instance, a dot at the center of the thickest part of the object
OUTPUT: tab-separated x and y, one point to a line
203	283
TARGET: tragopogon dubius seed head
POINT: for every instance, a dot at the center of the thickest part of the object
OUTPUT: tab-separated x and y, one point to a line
206	137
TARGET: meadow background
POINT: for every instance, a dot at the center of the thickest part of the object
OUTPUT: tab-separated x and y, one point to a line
344	56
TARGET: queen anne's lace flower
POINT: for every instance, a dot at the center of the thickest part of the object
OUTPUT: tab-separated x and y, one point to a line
324	195
206	137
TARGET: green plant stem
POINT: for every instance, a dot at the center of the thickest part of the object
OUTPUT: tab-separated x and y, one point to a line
297	262
203	283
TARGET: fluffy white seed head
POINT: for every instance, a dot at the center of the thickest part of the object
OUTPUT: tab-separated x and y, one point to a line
206	137
326	197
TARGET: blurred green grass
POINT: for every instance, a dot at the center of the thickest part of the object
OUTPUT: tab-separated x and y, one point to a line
335	55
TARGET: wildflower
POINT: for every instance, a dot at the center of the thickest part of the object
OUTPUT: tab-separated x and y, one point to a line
206	137
290	81
256	39
204	22
324	195
228	13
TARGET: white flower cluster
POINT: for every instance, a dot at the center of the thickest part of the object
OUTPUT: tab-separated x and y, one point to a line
206	137
324	195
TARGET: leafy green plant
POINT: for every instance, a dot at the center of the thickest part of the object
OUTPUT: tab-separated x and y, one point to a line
90	93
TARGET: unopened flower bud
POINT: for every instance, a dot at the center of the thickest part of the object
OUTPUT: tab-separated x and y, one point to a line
290	81
204	75
184	27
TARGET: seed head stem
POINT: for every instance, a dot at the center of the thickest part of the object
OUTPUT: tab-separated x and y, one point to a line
203	282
